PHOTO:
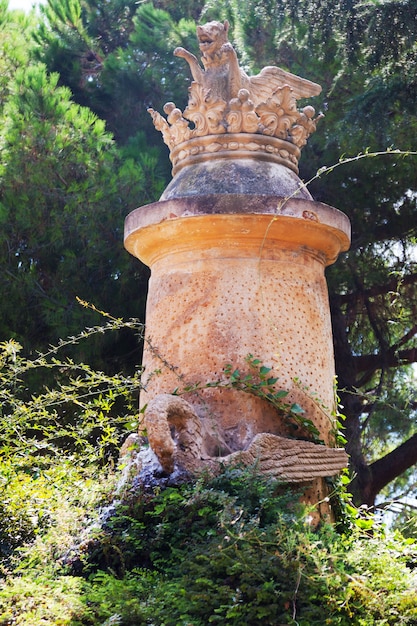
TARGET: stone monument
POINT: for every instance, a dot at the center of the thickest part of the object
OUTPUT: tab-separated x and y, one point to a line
237	249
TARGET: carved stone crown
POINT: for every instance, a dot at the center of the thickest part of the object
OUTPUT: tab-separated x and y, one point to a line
235	115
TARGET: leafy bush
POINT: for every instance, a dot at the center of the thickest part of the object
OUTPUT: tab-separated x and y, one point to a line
233	549
54	439
238	549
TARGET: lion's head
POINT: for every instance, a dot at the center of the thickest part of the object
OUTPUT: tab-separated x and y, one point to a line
212	36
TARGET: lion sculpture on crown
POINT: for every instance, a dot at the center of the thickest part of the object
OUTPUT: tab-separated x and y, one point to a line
223	99
223	76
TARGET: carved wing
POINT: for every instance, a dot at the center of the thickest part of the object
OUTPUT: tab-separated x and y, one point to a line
263	85
291	460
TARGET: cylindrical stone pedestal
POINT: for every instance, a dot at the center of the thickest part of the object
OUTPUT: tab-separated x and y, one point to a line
234	275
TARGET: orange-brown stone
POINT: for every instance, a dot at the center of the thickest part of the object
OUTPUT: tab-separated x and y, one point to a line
237	249
234	275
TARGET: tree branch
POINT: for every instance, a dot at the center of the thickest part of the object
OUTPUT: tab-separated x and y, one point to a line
370	363
405	338
378	290
392	465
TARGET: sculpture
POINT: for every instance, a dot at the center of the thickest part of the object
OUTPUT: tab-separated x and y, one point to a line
176	435
237	249
224	100
223	76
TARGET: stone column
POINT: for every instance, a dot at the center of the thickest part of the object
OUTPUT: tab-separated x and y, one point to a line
232	275
237	249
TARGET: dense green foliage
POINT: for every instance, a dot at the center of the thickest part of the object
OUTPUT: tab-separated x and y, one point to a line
84	544
65	189
229	550
77	153
51	439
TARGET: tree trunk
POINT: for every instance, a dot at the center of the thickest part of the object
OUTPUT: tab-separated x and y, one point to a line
351	405
368	479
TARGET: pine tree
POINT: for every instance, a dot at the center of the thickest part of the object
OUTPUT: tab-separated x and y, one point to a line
64	192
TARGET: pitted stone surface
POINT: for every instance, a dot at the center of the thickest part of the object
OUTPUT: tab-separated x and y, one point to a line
204	314
234	275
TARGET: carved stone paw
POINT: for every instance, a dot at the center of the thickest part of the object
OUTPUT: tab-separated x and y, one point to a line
180	52
166	412
228	50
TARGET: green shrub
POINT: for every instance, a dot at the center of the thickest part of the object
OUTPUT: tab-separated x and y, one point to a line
233	549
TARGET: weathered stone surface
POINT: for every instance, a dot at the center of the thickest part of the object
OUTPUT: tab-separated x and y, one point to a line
176	435
164	412
291	460
334	224
229	175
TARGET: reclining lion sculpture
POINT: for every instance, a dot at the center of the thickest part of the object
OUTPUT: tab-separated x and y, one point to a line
177	438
